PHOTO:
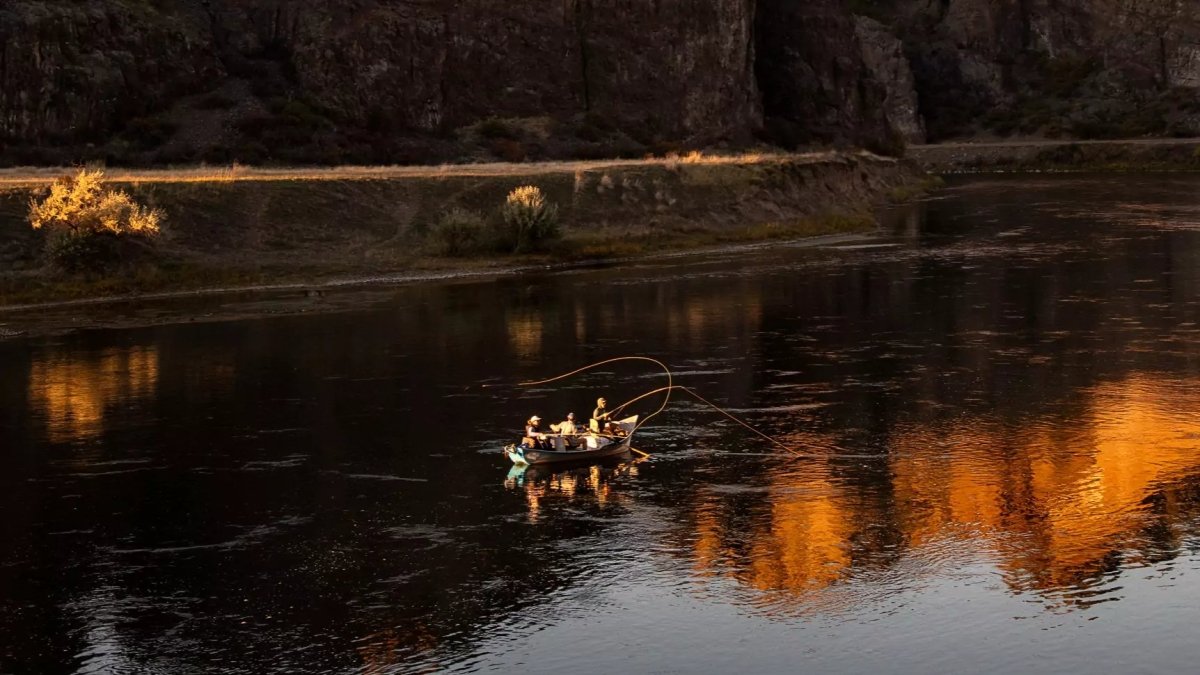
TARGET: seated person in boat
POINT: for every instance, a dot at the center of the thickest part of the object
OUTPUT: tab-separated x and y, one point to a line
534	438
567	428
614	430
600	415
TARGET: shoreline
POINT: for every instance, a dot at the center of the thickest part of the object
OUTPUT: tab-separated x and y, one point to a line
1146	155
620	210
263	230
342	294
440	274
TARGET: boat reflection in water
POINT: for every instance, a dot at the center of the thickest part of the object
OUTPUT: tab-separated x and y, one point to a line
544	485
1057	505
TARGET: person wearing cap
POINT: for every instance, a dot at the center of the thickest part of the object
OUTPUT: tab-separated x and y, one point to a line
600	414
568	429
534	438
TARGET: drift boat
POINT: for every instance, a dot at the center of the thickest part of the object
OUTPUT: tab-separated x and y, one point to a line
576	448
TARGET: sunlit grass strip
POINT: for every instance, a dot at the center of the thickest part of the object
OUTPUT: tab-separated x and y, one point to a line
36	176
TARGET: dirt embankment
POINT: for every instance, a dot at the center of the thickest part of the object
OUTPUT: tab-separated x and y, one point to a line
244	228
1143	154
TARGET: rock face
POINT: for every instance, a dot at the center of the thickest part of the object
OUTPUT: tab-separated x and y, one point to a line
429	66
814	82
669	70
70	69
140	81
1090	68
883	57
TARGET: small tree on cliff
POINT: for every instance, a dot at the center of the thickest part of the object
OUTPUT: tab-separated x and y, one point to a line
90	227
532	222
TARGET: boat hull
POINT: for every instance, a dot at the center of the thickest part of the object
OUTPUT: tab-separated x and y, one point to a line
533	456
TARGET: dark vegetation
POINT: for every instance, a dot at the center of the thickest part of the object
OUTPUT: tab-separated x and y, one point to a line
525	223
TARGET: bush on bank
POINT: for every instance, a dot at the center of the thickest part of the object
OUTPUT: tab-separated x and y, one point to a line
459	232
531	221
525	223
91	228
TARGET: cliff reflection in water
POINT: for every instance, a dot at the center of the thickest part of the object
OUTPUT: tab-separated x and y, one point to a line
1054	503
75	393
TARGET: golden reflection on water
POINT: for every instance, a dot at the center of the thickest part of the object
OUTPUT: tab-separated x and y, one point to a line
525	334
75	393
693	321
1049	501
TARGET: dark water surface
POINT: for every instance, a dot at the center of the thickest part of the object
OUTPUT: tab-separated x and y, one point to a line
999	412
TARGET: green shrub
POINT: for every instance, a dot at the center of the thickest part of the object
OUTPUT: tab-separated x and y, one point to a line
530	221
587	132
82	252
496	128
459	232
508	150
89	227
149	132
890	144
1065	75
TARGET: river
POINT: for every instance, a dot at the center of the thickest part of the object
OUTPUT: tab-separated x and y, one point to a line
992	411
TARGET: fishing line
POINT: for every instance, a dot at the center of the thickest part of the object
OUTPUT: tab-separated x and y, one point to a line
660	364
721	410
671	386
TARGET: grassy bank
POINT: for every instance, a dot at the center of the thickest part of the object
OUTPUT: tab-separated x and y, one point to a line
1136	155
240	227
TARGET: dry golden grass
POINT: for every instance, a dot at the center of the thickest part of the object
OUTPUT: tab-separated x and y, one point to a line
25	177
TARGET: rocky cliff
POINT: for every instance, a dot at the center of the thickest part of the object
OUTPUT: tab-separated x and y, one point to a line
1081	68
143	81
194	78
815	83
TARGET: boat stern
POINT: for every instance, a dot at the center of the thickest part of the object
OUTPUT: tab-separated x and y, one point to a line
517	454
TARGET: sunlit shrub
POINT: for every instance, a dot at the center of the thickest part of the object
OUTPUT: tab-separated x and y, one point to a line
531	222
90	227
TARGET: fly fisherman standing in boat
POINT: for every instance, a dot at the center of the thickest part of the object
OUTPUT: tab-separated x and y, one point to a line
600	415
